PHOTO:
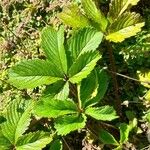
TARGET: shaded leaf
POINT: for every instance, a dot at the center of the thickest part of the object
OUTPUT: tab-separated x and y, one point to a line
73	17
52	43
48	107
56	145
69	123
105	113
18	119
89	87
34	141
4	142
107	138
103	81
33	73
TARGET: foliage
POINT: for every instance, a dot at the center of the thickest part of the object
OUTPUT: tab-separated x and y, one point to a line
17	119
55	85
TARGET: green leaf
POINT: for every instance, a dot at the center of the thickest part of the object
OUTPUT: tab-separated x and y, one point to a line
82	67
105	113
85	40
52	43
73	17
94	13
118	7
33	73
4	142
89	87
58	90
103	81
127	32
67	124
124	133
126	25
18	119
34	141
48	107
56	145
107	138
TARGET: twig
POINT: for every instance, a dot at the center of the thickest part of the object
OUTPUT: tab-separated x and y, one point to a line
66	143
130	78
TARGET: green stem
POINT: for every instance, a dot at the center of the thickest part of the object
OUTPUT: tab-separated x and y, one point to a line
78	97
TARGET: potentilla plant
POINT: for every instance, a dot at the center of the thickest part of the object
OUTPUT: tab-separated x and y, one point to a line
75	84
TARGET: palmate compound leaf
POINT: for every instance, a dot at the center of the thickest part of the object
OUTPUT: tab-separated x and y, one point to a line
73	17
69	123
33	73
107	138
17	116
52	42
127	25
118	7
34	141
94	13
94	87
105	113
49	107
82	67
84	40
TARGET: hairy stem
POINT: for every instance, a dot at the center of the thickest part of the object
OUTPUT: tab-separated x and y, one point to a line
114	77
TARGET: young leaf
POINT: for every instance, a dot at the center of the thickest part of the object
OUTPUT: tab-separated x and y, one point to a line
52	44
58	90
83	66
118	7
56	145
105	113
73	17
85	40
48	107
107	138
127	32
124	132
103	81
33	73
33	141
17	115
94	13
70	123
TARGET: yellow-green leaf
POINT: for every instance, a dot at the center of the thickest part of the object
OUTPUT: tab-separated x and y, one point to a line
144	77
118	7
72	16
127	32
